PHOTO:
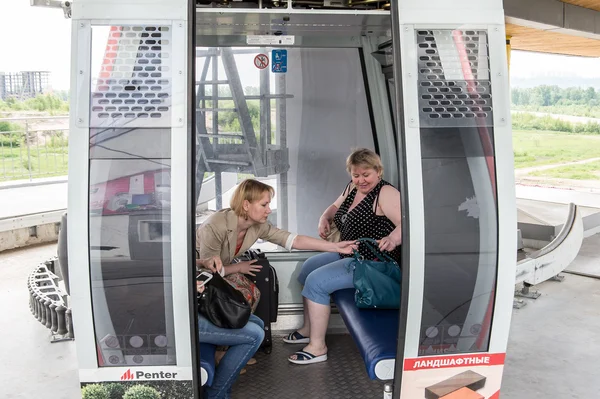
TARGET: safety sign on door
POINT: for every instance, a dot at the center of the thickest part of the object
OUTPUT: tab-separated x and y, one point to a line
279	61
261	61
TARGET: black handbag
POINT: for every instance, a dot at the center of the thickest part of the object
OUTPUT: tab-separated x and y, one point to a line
223	305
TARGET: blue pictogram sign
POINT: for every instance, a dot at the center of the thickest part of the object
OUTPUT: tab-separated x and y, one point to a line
279	61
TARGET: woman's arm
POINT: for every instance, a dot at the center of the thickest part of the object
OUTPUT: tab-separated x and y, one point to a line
330	212
209	240
324	226
332	209
310	243
247	267
326	218
213	263
389	202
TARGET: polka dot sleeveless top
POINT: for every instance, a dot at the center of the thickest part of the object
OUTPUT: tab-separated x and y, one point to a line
362	222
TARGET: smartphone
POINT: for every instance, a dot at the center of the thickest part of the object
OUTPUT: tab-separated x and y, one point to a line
204	278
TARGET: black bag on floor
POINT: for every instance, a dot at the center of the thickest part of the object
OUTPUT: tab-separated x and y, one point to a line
268	284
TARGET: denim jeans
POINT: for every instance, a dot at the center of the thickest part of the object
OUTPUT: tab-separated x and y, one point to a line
323	274
243	344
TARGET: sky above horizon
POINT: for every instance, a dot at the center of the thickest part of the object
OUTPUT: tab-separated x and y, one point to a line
47	48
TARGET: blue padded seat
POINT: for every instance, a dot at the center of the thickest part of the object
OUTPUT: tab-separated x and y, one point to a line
207	363
375	332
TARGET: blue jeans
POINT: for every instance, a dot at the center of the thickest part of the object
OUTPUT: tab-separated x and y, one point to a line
243	344
323	274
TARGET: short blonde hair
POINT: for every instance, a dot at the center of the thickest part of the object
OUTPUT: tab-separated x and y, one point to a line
249	190
365	158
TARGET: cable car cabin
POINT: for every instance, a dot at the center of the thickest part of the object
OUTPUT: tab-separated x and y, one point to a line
174	103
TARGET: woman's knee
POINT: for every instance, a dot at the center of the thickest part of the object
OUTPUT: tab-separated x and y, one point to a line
257	320
315	262
314	290
321	283
313	282
256	332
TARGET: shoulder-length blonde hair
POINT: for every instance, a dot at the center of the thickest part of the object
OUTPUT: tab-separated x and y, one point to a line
249	190
365	158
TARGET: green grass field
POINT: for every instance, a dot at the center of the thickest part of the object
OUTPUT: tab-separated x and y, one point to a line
44	162
534	148
586	171
531	148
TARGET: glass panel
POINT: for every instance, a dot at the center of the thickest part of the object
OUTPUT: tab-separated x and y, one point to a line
283	128
130	196
459	188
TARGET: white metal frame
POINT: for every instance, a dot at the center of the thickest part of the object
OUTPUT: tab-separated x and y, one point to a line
88	13
414	176
466	14
505	190
78	203
486	14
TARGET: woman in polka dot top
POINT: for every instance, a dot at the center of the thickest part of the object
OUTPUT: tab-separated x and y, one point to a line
369	207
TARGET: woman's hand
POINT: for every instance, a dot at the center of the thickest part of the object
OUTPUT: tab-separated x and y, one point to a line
345	247
248	267
324	227
214	264
388	243
199	287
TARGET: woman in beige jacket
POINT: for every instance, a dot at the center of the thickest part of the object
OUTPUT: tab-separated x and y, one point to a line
229	232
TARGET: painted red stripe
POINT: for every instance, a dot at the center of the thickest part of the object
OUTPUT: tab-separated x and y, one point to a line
496	395
100	357
484	135
488	151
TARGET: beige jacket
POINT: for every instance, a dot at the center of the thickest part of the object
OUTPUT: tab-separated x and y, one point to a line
218	235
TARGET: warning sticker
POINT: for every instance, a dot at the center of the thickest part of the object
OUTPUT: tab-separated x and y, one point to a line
261	61
270	40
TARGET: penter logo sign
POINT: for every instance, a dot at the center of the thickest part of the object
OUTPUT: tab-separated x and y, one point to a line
127	376
140	375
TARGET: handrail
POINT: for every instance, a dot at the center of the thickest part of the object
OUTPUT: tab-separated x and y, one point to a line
554	258
562	235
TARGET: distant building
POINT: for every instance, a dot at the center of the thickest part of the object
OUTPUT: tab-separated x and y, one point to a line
23	85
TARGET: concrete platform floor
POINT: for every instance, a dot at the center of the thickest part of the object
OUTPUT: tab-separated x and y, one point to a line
552	352
31	366
588	258
16	201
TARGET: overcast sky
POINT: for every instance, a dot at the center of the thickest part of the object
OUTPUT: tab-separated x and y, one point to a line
36	38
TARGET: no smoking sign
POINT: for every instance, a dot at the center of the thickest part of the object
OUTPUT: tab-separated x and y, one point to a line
261	61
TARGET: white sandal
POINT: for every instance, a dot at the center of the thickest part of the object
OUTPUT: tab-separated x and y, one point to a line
296	338
303	357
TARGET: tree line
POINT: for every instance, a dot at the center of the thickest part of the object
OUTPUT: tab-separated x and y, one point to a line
546	96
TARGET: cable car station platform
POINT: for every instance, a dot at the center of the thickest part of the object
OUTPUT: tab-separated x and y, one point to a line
549	344
549	348
421	79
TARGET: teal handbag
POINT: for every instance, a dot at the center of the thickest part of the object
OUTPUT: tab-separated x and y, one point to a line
377	283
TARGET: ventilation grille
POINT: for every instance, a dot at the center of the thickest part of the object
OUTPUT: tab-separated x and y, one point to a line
454	78
133	87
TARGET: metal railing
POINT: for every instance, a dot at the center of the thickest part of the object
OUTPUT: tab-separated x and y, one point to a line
33	147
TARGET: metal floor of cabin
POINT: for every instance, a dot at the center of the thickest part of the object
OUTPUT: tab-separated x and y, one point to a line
343	375
552	351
